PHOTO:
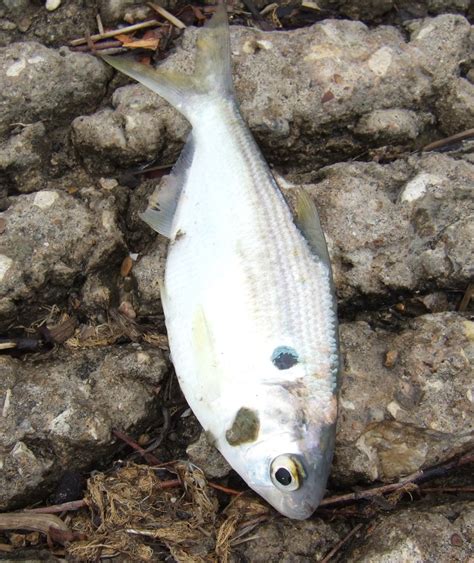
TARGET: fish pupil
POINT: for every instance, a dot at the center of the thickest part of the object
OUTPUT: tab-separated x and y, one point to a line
284	357
283	476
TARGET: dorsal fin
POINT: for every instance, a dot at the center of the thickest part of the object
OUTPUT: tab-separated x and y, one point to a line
307	220
164	200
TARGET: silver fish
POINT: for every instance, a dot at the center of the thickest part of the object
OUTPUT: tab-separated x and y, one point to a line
247	292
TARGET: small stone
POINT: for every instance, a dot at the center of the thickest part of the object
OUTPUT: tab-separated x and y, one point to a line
143	439
7	25
390	358
52	5
456	540
126	308
24	24
126	266
108	183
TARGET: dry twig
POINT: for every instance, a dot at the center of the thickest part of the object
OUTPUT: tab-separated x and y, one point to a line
338	546
115	32
165	14
47	524
150	458
466	298
421	475
458	137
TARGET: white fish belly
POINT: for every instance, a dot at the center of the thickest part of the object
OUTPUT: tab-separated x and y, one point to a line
240	282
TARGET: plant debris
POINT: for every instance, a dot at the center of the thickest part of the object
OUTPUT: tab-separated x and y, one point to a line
133	515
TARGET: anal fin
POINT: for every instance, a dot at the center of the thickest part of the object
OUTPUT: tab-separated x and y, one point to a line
164	200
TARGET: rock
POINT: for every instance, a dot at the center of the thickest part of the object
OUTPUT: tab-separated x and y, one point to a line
148	272
292	541
443	533
303	93
398	227
456	108
137	131
392	125
38	83
374	10
414	413
16	6
208	458
113	11
58	412
97	295
50	241
52	5
23	159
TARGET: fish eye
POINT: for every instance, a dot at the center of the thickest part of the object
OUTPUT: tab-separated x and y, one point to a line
286	473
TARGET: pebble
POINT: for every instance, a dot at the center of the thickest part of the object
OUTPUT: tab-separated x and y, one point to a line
52	5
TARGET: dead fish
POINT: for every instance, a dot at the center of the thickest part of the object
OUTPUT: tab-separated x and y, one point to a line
247	291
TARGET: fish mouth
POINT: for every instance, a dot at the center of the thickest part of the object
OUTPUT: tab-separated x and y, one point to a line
299	504
301	511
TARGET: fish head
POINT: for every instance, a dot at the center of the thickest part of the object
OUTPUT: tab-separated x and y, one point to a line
290	472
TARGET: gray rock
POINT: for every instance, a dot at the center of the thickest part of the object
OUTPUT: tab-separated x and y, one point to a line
292	541
456	108
114	11
443	533
49	239
148	272
23	159
15	6
398	227
370	10
38	83
208	458
58	412
406	399
137	130
301	92
392	126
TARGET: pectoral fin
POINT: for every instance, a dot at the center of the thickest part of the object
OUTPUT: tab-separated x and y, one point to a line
164	200
205	354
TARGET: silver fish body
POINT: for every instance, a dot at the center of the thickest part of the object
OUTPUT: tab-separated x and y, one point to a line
247	293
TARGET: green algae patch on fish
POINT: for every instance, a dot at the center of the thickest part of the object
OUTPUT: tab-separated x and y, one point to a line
244	429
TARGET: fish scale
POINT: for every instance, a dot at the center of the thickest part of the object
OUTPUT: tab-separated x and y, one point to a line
247	292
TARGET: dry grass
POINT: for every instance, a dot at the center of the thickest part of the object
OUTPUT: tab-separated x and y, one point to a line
132	515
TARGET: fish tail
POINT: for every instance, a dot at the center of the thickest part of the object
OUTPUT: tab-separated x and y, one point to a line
212	76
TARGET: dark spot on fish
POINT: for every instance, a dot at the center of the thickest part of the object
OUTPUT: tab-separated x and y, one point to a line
245	427
284	357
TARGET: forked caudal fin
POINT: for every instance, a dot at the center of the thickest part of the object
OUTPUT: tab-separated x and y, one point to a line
212	75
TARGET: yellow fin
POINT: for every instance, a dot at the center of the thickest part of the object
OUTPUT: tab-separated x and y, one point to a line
307	220
205	353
